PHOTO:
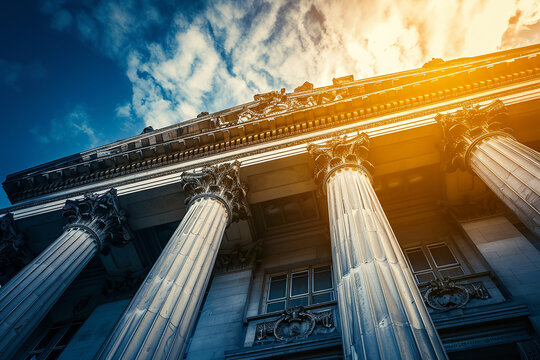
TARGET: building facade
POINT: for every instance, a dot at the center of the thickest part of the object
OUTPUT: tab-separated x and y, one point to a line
390	217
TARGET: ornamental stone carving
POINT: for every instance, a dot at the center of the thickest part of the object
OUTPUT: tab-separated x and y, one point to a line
464	129
447	295
221	182
101	216
340	153
295	324
13	247
239	257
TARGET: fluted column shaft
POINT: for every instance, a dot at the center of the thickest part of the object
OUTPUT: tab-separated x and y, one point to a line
382	312
28	297
158	320
512	171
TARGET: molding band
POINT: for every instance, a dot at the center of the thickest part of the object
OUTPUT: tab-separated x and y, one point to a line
216	197
479	139
331	172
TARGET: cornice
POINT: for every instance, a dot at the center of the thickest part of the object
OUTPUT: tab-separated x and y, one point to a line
272	116
266	150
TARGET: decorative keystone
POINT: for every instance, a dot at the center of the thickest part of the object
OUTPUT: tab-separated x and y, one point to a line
340	153
464	129
13	248
101	216
221	182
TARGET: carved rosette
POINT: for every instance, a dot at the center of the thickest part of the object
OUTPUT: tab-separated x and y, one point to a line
340	153
13	247
221	182
464	129
101	216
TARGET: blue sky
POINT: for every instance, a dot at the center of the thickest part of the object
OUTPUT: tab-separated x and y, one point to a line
79	74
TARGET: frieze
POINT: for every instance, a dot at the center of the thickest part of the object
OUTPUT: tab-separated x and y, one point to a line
295	324
444	295
175	158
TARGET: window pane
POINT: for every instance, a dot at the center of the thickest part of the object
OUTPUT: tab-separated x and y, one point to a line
418	260
303	301
278	287
452	272
425	277
299	283
322	278
322	298
277	306
442	255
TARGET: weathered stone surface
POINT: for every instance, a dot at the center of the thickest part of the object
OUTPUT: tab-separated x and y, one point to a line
27	297
474	138
340	153
159	319
382	313
222	182
14	252
100	214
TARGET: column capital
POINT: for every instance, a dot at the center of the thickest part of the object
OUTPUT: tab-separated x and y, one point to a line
13	247
221	182
466	128
101	216
338	153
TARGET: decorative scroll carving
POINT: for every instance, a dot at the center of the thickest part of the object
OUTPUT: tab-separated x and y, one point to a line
239	257
474	207
222	182
13	248
340	153
447	295
100	215
464	129
295	324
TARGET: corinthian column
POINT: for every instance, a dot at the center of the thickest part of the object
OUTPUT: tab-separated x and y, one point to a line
159	319
381	311
28	297
474	139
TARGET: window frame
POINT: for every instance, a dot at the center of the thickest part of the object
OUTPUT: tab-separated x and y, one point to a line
288	287
435	269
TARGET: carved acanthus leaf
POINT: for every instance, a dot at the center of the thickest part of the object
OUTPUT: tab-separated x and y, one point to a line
222	181
102	214
340	152
13	248
239	257
461	129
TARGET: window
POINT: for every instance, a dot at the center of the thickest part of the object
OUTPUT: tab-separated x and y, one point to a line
300	287
429	262
54	341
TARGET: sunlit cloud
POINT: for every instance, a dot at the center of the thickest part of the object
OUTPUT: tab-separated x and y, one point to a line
219	55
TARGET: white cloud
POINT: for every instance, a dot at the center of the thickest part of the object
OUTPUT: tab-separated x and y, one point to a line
75	126
219	56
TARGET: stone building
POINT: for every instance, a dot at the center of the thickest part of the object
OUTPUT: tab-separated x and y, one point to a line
390	217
